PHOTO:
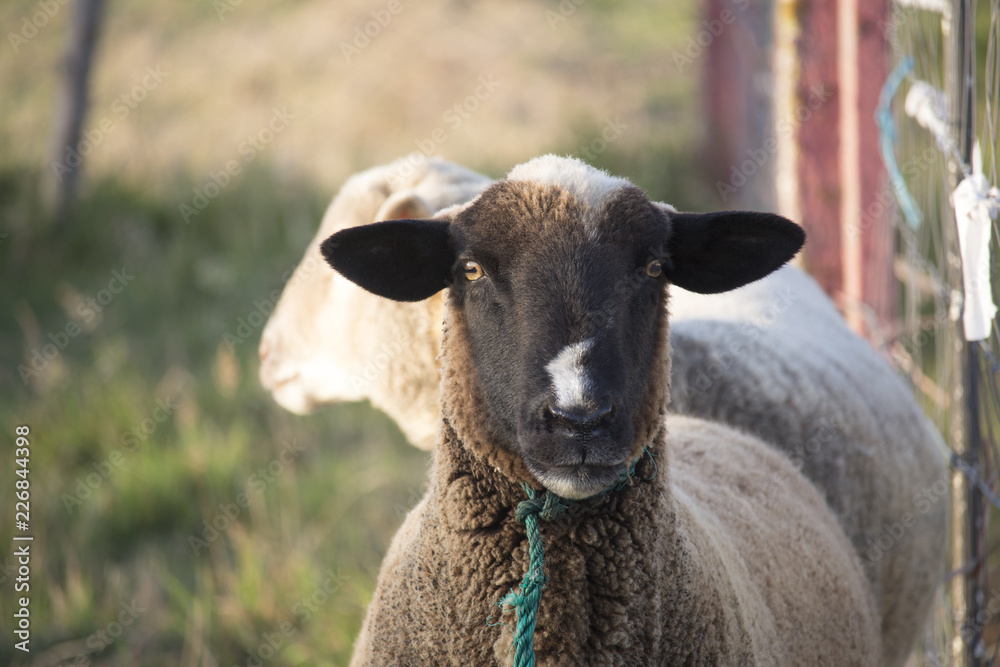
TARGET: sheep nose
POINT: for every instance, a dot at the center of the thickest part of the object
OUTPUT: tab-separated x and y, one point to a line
580	418
264	349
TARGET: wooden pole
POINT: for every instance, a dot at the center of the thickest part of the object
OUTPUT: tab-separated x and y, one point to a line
740	111
830	63
967	502
71	108
874	219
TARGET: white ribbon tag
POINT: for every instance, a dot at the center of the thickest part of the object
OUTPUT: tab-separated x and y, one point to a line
975	209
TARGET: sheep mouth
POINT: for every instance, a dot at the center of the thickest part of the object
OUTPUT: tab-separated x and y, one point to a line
579	481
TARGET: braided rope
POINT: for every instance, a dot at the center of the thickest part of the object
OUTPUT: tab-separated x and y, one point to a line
529	595
526	601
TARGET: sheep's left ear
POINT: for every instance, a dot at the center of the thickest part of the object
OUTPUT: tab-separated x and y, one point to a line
402	260
718	252
404	205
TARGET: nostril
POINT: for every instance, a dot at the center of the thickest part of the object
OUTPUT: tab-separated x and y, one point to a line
604	408
581	416
264	350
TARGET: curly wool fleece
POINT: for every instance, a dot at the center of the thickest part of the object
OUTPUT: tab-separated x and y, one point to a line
710	562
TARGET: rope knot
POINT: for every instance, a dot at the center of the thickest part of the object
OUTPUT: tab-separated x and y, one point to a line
546	507
526	599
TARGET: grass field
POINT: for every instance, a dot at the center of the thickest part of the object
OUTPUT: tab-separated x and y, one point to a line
180	517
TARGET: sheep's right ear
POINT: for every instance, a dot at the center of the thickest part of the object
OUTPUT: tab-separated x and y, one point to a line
402	260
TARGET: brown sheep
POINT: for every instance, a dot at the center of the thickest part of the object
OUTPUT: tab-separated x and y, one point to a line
773	358
555	362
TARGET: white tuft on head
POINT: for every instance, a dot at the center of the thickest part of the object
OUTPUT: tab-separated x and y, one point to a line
589	185
569	376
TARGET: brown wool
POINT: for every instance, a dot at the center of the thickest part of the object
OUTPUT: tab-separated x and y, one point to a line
706	562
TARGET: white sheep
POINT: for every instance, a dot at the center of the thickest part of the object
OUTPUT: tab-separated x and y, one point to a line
330	341
555	363
774	358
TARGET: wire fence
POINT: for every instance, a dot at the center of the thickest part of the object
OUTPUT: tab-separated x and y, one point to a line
943	169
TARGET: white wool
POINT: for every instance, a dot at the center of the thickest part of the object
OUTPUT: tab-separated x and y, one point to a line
569	376
590	185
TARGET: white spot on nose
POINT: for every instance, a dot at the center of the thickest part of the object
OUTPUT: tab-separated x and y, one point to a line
569	376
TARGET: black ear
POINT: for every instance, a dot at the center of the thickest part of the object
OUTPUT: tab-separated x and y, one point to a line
402	260
718	252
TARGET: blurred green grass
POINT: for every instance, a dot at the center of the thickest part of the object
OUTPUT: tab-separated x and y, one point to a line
115	502
121	490
148	425
286	580
116	517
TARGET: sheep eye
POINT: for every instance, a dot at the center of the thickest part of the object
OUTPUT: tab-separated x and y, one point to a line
654	269
472	271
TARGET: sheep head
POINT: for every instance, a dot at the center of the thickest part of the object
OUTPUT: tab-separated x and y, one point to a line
329	341
298	364
555	354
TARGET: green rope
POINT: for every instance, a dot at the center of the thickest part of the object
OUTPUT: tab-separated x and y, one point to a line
526	600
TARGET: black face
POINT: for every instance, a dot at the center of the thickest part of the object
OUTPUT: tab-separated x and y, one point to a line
562	303
562	317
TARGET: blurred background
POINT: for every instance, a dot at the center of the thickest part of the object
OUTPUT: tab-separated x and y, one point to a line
146	427
180	516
